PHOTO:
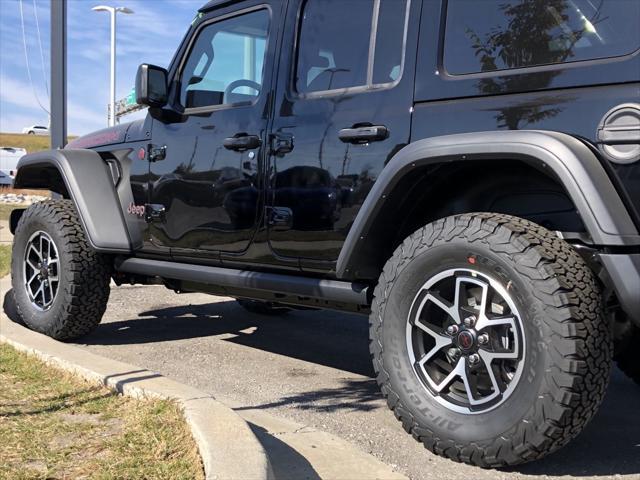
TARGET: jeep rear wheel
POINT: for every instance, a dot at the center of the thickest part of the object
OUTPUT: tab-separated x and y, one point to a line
60	284
488	339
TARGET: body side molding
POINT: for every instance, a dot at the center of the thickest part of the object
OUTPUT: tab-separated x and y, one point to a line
567	158
89	183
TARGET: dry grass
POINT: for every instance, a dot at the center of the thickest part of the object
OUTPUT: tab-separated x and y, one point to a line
53	425
25	191
5	259
32	143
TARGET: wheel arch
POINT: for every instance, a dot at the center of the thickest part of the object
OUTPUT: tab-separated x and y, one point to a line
84	177
558	157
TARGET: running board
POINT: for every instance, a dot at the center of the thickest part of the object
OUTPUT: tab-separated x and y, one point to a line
284	288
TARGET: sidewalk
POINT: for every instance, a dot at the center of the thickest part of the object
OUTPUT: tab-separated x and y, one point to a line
245	444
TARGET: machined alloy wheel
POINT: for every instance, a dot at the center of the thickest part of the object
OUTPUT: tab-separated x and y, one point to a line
60	284
465	337
41	270
488	339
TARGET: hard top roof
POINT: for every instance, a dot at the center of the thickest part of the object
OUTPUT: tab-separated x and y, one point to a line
211	4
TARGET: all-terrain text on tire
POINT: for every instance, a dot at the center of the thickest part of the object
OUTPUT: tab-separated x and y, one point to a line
475	315
466	173
60	284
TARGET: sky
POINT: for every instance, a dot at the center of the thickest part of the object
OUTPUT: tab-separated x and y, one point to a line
150	35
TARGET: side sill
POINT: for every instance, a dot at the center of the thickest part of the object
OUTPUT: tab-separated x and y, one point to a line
289	289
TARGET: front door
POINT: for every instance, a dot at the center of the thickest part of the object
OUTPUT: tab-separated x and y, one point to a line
343	108
206	194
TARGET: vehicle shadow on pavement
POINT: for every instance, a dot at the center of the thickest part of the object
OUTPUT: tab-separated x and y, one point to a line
353	395
327	338
610	445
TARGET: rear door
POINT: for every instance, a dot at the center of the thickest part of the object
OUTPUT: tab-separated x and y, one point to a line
207	190
343	108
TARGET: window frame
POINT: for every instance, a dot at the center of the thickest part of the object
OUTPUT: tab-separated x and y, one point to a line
369	86
442	68
189	49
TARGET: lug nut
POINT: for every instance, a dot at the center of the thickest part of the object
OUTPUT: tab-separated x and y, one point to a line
452	330
470	321
453	352
483	339
474	358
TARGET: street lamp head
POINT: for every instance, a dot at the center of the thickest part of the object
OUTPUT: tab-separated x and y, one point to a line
103	8
106	8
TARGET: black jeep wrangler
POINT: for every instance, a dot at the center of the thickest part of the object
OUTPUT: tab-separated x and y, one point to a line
467	172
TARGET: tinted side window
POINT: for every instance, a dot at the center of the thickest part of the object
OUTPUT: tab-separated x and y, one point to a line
333	46
225	65
335	39
484	36
390	35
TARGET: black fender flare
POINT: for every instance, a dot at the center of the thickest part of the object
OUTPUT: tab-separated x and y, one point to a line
572	162
89	183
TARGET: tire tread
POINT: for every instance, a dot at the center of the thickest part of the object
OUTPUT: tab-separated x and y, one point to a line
88	273
580	343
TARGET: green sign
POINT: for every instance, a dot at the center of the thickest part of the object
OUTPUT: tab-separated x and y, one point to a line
130	99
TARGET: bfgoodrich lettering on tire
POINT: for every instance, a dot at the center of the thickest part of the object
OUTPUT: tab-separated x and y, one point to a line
488	339
60	284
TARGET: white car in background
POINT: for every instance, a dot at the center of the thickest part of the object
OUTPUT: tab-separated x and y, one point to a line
9	157
36	130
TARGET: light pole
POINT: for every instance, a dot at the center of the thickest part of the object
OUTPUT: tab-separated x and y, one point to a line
113	11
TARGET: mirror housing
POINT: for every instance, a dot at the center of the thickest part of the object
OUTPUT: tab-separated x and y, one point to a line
151	86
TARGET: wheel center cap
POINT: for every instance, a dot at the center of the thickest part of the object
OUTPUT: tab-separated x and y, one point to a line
466	340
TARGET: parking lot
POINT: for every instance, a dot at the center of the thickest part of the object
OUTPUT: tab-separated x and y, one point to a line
314	368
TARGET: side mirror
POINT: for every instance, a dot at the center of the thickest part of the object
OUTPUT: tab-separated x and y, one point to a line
151	86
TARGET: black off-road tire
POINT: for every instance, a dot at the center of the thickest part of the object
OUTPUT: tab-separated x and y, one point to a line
261	307
568	342
83	289
627	359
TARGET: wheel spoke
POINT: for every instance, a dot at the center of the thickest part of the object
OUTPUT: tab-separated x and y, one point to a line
33	277
486	322
451	310
41	246
486	360
39	291
473	371
462	294
458	371
492	353
32	266
490	356
50	292
41	286
441	342
35	250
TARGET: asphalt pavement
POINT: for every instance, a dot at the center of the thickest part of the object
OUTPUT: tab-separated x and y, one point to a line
313	367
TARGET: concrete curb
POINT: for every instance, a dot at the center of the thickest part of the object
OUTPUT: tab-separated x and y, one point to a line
228	447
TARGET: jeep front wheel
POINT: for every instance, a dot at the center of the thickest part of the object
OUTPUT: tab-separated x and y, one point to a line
488	339
60	284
